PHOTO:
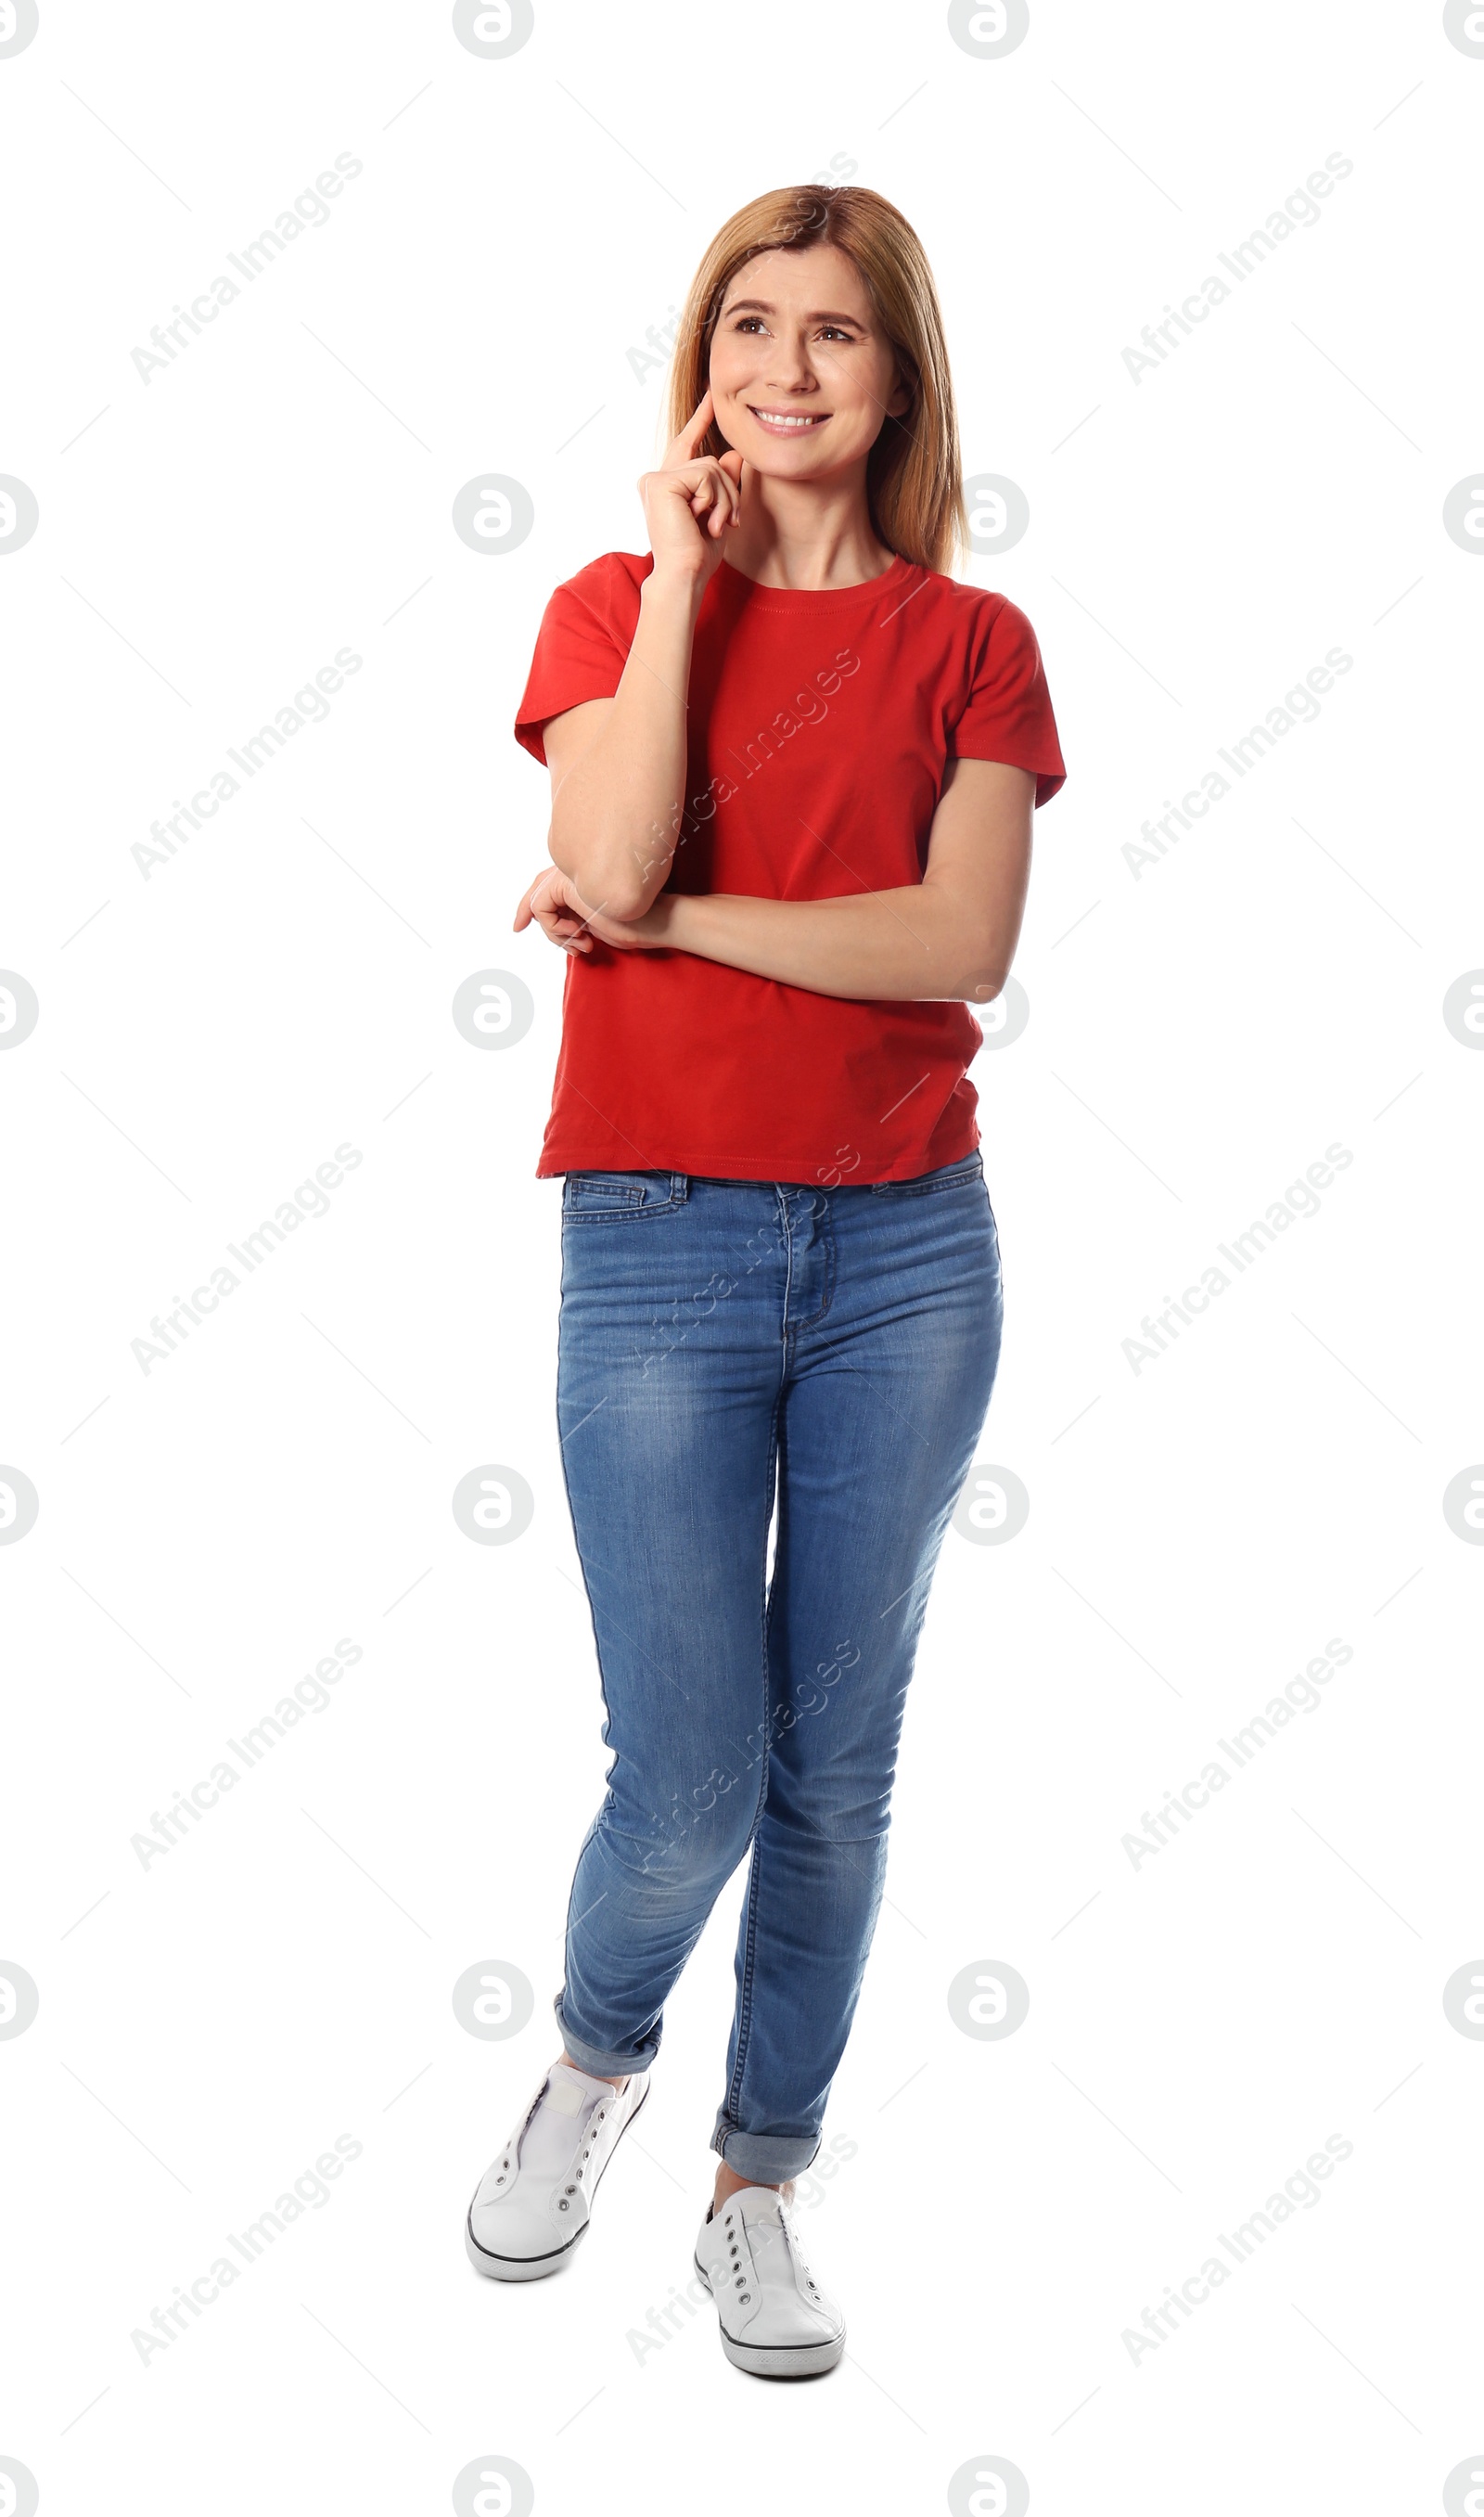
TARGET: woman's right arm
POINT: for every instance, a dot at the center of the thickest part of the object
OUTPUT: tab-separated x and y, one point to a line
619	765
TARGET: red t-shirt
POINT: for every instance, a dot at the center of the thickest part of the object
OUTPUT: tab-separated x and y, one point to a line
820	724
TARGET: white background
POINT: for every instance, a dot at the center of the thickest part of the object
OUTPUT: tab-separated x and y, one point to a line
1199	1034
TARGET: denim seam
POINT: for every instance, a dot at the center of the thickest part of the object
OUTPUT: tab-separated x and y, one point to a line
744	1989
602	1681
572	1516
567	1930
827	1235
619	1213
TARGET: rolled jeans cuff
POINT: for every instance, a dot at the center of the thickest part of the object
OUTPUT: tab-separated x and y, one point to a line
596	2059
764	2158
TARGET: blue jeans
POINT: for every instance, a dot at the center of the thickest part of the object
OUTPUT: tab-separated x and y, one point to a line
718	1339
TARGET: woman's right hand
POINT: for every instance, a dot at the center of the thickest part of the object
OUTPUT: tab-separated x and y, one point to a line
693	502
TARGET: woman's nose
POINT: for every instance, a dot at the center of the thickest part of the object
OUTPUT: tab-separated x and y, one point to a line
791	370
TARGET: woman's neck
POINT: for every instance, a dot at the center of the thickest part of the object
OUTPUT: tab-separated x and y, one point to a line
805	541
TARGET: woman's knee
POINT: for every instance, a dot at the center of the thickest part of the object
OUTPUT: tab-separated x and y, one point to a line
696	1838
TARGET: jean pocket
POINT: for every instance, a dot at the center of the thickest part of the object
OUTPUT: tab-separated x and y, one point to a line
951	1175
611	1197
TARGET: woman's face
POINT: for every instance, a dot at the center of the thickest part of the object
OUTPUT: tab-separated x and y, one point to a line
801	376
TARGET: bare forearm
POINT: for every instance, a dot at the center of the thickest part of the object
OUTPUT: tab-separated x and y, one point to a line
617	815
909	944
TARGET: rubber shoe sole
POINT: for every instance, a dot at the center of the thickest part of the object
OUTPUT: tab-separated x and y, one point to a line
778	2359
518	2268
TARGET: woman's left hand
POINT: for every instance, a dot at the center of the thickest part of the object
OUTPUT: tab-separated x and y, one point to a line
554	902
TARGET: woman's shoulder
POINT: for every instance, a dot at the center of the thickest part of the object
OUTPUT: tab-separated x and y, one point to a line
599	601
981	605
981	623
615	574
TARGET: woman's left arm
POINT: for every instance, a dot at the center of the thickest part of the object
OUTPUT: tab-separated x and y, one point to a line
953	935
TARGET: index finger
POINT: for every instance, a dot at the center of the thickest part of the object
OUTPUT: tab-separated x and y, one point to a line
696	426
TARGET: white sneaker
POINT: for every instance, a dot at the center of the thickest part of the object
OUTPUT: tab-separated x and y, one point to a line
534	2201
776	2320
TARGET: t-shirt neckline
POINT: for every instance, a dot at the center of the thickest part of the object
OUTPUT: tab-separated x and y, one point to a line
798	598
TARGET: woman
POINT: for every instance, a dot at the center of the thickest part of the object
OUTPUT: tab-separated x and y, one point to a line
794	767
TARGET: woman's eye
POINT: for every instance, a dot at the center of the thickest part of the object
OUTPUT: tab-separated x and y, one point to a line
828	332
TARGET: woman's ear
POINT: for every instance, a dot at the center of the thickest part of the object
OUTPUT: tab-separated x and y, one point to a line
900	399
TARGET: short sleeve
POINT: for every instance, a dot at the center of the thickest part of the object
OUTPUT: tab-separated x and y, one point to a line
582	645
1007	714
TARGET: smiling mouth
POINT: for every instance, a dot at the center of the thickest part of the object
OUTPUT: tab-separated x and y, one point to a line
787	423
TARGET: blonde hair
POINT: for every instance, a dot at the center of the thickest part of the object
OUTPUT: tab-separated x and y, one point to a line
913	477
